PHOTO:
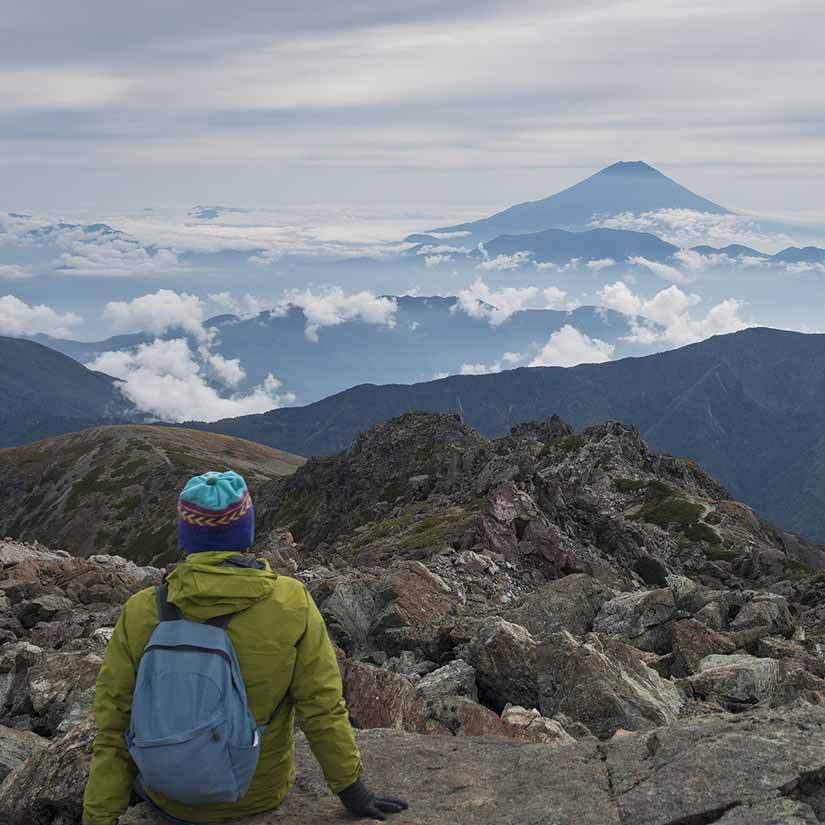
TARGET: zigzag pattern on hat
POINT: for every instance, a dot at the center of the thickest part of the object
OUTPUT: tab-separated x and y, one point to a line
198	518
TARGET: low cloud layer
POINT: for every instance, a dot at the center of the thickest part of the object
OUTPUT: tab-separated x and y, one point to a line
167	379
17	318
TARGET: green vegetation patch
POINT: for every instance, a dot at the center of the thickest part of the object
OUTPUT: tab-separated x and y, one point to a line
793	570
702	532
629	485
128	505
91	484
720	554
129	468
565	444
152	544
671	510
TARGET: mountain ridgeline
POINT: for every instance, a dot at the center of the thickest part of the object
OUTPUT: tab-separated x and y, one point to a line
749	407
43	393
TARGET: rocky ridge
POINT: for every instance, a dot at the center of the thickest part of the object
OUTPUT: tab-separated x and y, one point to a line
555	627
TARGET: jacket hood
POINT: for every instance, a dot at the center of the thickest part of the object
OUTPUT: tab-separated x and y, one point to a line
203	590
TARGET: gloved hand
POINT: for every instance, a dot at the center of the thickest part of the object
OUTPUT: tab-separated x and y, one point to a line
360	801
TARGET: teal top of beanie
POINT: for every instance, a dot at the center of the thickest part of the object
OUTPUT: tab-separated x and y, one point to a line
214	491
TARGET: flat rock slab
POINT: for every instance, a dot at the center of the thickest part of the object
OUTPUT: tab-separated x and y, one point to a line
699	770
455	781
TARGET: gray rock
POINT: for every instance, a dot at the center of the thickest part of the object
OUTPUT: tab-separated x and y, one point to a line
454	679
765	610
601	683
640	619
504	657
17	746
536	727
42	609
692	642
570	603
47	789
775	812
700	770
737	679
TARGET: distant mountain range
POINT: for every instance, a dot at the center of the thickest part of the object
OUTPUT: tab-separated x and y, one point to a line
44	393
620	246
429	337
750	407
560	247
623	187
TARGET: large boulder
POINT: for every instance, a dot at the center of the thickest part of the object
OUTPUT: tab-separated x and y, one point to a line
641	619
504	657
740	681
378	698
47	789
456	678
349	606
692	642
570	603
459	716
766	611
17	746
602	683
417	603
60	685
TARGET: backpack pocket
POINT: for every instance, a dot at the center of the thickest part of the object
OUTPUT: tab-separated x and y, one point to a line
245	762
192	767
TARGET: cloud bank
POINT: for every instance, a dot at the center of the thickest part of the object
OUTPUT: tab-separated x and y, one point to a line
167	379
17	318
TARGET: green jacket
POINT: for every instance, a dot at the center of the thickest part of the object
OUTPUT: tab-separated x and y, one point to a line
283	649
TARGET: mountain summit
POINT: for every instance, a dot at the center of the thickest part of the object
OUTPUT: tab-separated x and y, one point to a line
627	186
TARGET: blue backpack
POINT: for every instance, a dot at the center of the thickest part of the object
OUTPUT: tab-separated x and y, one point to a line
192	735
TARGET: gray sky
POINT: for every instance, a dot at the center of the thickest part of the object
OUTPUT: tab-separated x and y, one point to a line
406	102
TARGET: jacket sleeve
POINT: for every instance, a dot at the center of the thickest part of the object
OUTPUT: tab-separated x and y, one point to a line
112	770
318	696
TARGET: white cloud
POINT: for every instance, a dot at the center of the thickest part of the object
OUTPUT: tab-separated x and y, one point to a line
600	263
332	306
668	273
479	301
228	371
666	318
437	260
802	267
507	361
245	307
687	227
568	347
19	318
165	379
504	262
555	298
14	272
157	313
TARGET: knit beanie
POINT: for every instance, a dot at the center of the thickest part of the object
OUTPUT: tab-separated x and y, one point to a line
215	513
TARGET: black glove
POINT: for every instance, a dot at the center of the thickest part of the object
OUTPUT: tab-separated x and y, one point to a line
360	801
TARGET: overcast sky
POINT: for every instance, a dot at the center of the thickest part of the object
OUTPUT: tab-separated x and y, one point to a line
114	104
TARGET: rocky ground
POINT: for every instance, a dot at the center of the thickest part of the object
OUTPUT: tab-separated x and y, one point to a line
551	628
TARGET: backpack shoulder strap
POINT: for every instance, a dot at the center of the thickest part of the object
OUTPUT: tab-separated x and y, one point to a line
167	611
